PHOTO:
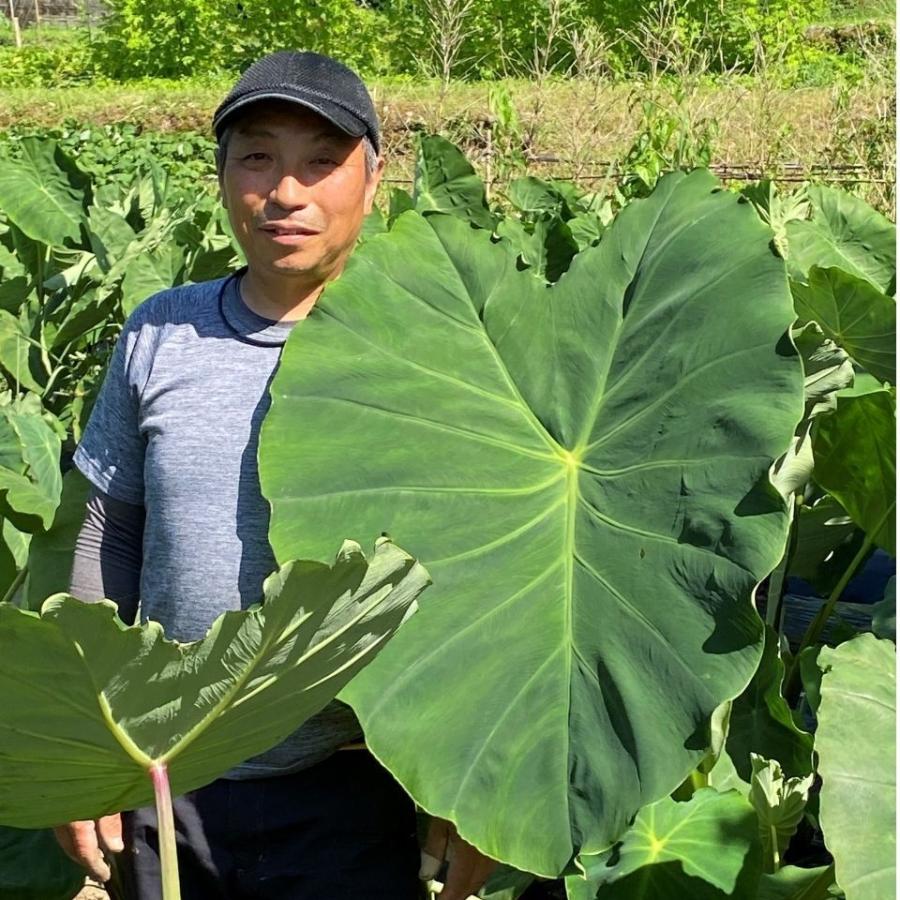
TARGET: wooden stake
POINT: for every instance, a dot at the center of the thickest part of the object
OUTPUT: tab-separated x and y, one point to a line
15	24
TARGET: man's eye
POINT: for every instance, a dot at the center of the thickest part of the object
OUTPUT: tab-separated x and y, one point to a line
256	157
324	161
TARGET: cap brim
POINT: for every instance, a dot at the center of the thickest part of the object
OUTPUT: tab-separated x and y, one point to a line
342	118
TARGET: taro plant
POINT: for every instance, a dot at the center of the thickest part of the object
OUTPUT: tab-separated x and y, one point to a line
100	717
566	458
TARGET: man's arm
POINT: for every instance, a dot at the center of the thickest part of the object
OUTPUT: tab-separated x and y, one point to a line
109	554
107	563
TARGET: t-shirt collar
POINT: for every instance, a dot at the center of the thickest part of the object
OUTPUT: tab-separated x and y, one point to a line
246	323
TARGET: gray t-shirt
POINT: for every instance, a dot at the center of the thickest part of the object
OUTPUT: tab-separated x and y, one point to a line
176	428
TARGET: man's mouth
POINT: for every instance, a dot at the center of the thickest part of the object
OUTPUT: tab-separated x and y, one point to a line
288	230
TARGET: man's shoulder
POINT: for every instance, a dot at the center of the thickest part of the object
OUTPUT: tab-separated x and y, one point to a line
186	304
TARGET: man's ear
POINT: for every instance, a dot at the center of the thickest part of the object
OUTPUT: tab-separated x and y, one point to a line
372	183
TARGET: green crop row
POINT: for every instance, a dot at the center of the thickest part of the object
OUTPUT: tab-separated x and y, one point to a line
600	421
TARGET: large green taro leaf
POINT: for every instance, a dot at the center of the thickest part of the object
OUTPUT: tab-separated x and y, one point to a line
583	466
856	743
89	706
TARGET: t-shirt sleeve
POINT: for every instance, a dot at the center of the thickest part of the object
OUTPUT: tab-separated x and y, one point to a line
111	452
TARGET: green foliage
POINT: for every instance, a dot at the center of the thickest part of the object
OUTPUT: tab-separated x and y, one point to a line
733	34
118	155
173	38
70	278
461	447
582	468
496	38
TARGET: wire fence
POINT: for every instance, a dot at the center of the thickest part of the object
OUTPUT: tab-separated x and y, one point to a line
59	13
594	171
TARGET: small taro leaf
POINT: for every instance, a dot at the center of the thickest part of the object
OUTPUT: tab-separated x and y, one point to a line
777	210
794	883
51	552
884	613
446	182
856	316
827	541
44	193
399	203
565	456
29	483
374	223
779	803
534	195
586	229
89	705
704	848
855	461
15	352
34	867
40	445
150	272
856	744
761	721
844	232
110	235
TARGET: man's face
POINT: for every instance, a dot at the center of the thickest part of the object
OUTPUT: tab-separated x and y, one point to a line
296	190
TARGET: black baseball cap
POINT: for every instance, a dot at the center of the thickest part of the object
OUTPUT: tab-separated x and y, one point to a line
312	80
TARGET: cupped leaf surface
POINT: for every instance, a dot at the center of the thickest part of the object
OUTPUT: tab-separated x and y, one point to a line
90	705
845	232
855	315
583	467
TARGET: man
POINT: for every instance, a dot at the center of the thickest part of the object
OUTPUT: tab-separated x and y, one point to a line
176	518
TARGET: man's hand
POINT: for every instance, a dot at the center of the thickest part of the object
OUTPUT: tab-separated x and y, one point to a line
467	870
86	842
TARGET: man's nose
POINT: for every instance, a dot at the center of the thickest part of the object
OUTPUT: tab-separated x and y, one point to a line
290	192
